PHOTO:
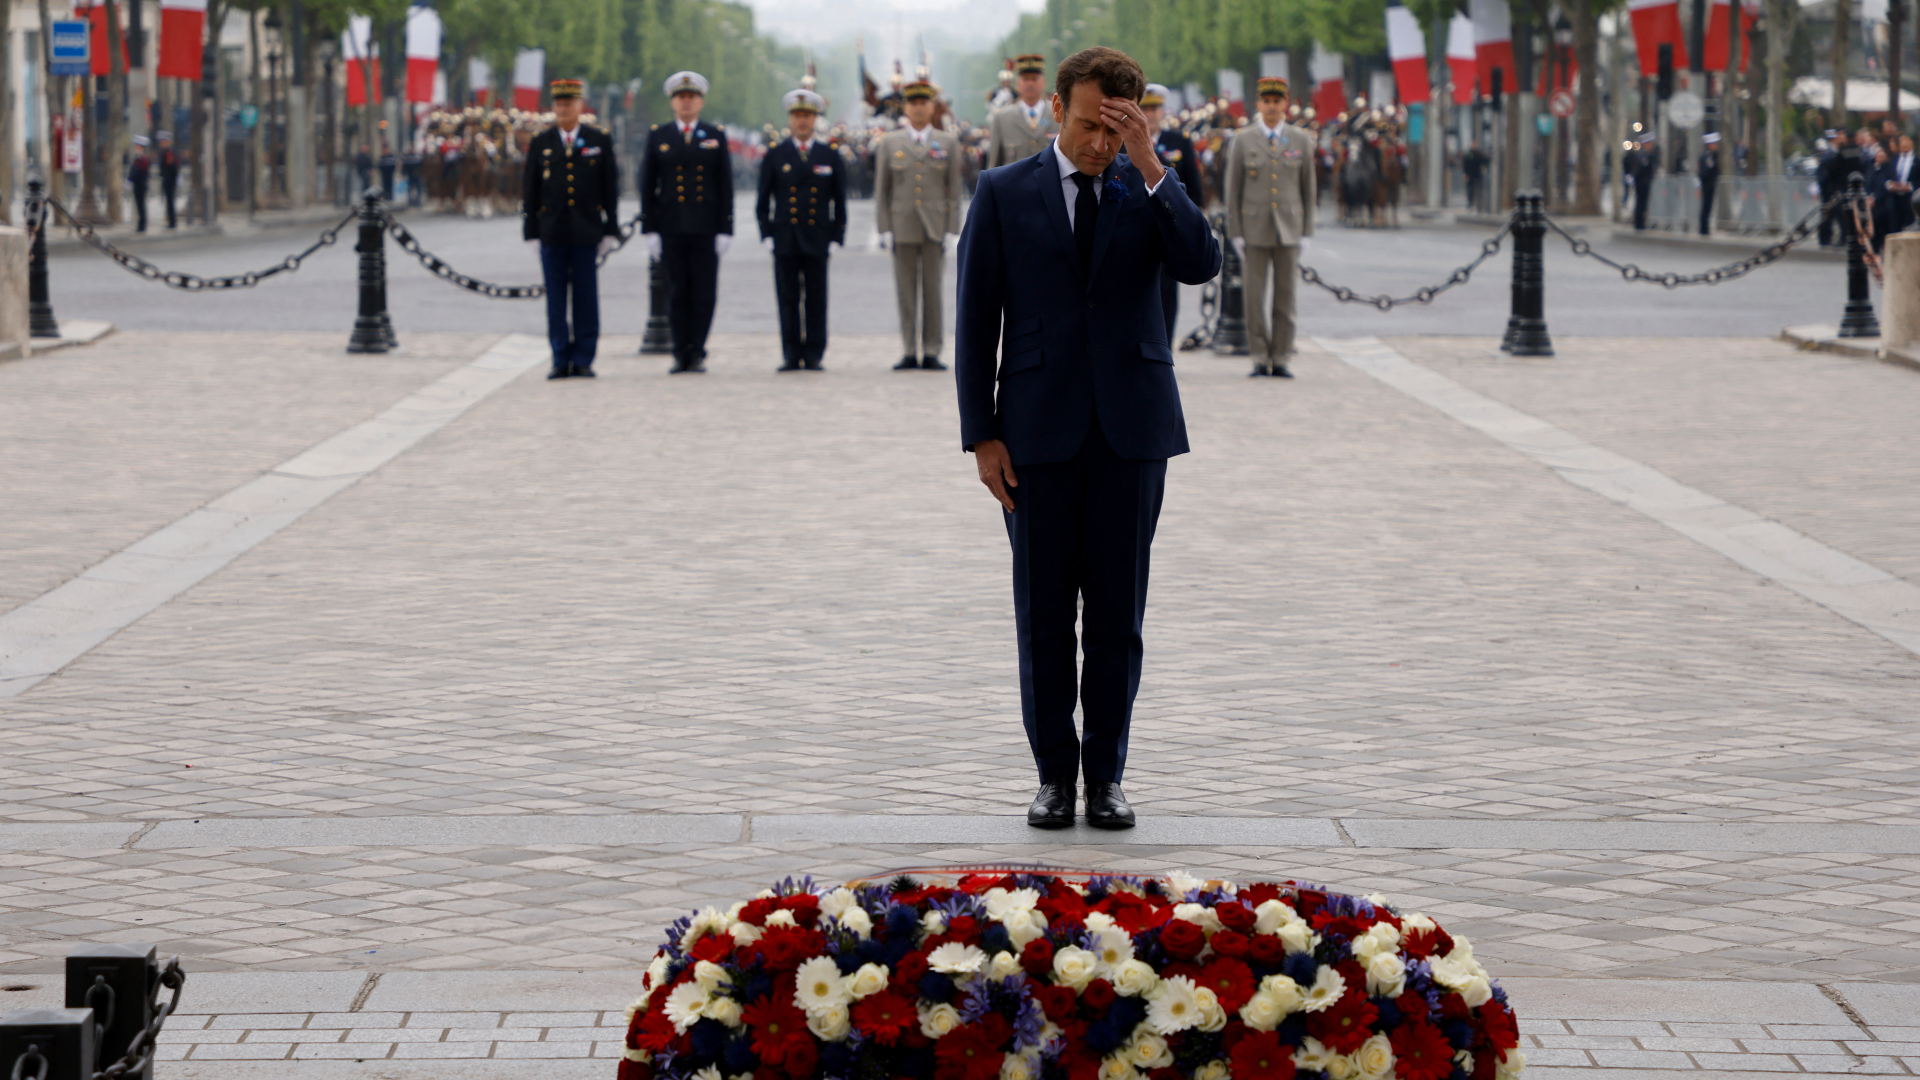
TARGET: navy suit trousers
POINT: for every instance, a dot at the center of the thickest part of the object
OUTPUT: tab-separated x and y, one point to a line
1082	534
569	271
800	288
693	282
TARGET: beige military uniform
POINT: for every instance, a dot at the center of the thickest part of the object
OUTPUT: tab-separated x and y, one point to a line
1012	136
1269	203
917	195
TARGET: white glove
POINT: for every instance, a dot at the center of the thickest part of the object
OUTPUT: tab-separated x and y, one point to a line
721	242
951	243
1240	247
654	244
1696	183
886	241
1306	243
606	245
767	242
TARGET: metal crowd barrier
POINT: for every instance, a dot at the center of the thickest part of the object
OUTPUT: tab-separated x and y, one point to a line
1742	205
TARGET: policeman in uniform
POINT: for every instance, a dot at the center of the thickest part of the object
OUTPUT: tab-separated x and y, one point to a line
802	208
1176	155
686	213
169	173
1708	178
1024	128
570	203
1269	203
139	170
1643	169
917	206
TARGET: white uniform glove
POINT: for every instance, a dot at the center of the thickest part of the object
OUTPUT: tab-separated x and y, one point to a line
951	243
1306	242
606	245
1240	247
533	246
721	242
886	241
767	242
654	244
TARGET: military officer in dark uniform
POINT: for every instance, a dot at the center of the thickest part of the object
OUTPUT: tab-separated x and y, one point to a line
169	162
802	208
570	202
1176	155
1642	173
1708	179
686	213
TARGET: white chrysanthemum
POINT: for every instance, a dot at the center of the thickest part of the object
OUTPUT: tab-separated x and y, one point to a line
1173	1006
1025	928
1074	966
1509	1066
1212	1016
1004	965
1114	947
686	1004
711	976
783	917
1270	916
1002	903
745	933
1375	1059
1116	1067
1386	975
954	958
1184	883
1313	1054
711	1072
1097	921
1263	1011
1297	937
933	922
1148	1050
1018	1067
868	980
1379	938
829	1025
818	986
858	921
1329	986
937	1020
838	902
1417	923
726	1010
1135	978
1200	915
1214	1070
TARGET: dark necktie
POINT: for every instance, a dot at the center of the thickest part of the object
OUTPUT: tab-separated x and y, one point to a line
1086	217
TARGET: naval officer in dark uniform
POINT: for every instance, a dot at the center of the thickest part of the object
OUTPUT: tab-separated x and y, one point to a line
802	208
1176	155
686	213
570	203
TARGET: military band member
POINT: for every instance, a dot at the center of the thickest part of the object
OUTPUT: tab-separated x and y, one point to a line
570	203
917	206
1176	155
1269	203
1024	128
802	208
686	213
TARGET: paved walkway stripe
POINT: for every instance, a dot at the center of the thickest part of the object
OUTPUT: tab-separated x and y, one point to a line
45	634
1850	588
959	831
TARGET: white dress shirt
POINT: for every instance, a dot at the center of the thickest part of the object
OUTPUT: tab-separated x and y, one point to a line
920	135
1032	111
1072	190
567	137
1902	168
1272	133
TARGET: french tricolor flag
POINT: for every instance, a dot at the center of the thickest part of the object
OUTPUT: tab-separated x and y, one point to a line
1657	23
1714	56
363	59
183	35
1408	51
1460	58
1329	83
529	68
423	52
1493	43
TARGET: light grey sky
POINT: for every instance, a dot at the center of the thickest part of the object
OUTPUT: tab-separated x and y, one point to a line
890	27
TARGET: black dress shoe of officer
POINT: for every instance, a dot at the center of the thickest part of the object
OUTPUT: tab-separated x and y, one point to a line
679	367
559	373
1053	807
931	363
697	367
814	365
1107	807
583	373
907	363
1258	371
1280	371
789	365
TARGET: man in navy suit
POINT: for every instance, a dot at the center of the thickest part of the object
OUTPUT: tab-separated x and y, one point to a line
1059	307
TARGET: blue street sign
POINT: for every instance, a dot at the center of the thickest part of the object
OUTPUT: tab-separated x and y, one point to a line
71	39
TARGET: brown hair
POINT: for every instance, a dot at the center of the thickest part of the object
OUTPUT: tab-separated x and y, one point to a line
1116	72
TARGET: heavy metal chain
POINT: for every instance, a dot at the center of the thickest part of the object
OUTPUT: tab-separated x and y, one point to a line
1424	295
1770	254
439	268
31	1053
193	282
141	1049
1202	335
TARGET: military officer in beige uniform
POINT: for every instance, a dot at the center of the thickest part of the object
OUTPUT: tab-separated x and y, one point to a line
917	206
1269	197
1018	131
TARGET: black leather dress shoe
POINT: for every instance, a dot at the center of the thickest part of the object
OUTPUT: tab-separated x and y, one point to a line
907	363
1258	371
814	365
698	367
1107	806
583	373
790	365
931	363
559	373
1053	807
1280	371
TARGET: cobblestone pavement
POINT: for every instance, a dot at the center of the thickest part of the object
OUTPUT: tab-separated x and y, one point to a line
759	594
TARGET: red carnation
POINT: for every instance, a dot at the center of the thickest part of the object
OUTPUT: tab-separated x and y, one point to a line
1262	1056
1420	1052
965	929
882	1017
1345	1025
1235	916
1134	913
1058	1002
1421	944
756	911
974	1051
653	1032
1098	996
907	973
1413	1005
713	947
1230	980
805	908
1259	893
784	947
1230	943
1498	1025
1267	949
1182	939
1037	957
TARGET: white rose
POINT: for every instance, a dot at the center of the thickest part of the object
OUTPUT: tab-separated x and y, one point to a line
818	986
686	1005
1200	915
1379	938
1184	883
1328	987
1509	1066
657	972
639	1006
1117	1067
954	958
640	1056
1418	924
1001	903
724	1009
1448	973
1135	978
933	922
857	921
745	933
1298	937
830	1025
1386	975
1284	990
1149	1051
836	903
1174	1005
1097	921
1270	916
1463	1060
1074	966
1004	965
1477	991
1313	1055
1263	1011
1017	1067
1213	1070
1212	1016
1341	1067
783	917
869	979
1378	900
1024	928
1375	1058
711	976
937	1020
1114	947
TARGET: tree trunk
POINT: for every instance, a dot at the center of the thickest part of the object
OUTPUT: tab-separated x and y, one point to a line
1587	127
6	116
111	138
56	180
256	135
1842	37
1779	29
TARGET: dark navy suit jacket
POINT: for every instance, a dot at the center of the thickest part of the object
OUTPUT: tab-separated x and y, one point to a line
1064	341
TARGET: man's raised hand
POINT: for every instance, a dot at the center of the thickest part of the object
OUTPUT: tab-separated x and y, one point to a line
996	469
1125	117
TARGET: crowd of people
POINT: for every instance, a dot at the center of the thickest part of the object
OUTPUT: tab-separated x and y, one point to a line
1885	160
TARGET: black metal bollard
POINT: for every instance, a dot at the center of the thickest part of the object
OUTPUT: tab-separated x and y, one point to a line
658	336
1230	334
40	320
48	1044
1527	323
1858	320
372	328
118	983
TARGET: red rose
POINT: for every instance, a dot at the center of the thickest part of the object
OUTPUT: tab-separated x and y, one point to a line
907	973
1037	957
1413	1005
1345	1025
1452	1006
1235	916
884	1016
1058	1002
1420	1052
1498	1025
784	947
802	1055
1259	893
1262	1056
1134	913
965	929
805	908
1182	939
1230	943
1098	996
634	1070
1230	980
974	1051
1164	1072
756	911
1181	969
1267	950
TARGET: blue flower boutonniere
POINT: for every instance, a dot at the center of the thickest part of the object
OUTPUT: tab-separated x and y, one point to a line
1116	188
